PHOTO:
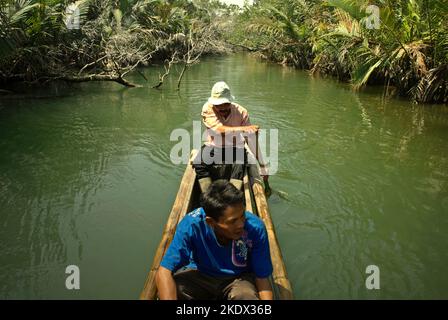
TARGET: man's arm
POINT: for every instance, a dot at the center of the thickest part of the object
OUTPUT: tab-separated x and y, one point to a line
176	256
264	288
166	284
228	129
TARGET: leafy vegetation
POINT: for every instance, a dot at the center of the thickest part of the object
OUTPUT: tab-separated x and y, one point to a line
38	42
407	50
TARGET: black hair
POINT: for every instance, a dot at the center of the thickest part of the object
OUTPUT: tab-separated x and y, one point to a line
220	195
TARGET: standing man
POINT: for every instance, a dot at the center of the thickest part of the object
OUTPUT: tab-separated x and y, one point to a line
226	123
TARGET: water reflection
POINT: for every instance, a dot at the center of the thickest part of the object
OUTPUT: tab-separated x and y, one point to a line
86	179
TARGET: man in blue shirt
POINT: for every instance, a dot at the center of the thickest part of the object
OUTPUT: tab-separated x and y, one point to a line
219	251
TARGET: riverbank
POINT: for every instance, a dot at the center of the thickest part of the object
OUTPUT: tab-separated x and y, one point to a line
401	46
103	40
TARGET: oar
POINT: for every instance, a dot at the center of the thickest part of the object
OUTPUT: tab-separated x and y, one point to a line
267	188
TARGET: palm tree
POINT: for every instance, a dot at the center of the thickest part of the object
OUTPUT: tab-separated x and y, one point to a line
408	50
285	27
398	53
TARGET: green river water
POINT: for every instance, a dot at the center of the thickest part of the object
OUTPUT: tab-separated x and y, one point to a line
86	179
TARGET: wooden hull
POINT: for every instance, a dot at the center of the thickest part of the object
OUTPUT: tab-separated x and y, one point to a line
187	199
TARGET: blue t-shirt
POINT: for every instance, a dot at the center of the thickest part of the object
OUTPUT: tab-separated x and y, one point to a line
195	246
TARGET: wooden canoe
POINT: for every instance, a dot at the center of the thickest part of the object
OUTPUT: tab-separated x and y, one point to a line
188	198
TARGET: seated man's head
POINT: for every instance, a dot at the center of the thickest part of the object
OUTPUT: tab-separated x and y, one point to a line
225	210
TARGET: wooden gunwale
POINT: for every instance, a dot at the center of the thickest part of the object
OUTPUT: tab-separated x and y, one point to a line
254	194
180	206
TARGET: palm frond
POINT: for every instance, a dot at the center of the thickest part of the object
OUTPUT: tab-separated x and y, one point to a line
363	71
352	7
20	15
433	88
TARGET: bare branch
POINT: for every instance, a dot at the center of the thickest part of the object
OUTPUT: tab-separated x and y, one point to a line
167	71
91	64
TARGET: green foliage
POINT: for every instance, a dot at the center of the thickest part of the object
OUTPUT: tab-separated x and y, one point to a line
408	51
114	34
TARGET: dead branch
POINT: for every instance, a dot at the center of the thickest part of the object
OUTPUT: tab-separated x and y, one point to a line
167	71
142	74
100	77
74	78
91	64
193	53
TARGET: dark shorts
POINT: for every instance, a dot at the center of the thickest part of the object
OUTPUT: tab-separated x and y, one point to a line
194	285
220	163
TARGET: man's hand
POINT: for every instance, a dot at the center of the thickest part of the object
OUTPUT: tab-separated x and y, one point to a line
264	288
166	284
251	129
